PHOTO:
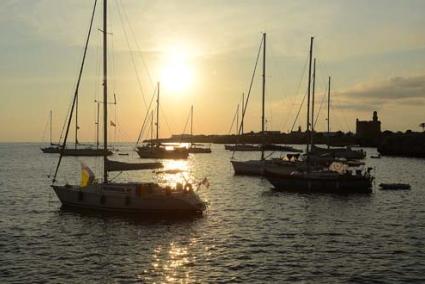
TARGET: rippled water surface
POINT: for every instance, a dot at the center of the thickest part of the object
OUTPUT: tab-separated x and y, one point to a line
249	233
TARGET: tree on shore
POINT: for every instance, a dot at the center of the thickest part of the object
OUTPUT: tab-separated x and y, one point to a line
423	126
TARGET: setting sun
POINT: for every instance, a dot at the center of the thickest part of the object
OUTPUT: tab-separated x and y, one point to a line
176	74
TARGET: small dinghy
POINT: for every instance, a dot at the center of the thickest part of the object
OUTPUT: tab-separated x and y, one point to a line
394	186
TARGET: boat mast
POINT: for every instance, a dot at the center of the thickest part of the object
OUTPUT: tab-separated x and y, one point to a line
151	127
329	104
191	121
50	127
105	93
97	124
312	103
243	105
264	95
76	121
237	120
157	114
308	96
74	102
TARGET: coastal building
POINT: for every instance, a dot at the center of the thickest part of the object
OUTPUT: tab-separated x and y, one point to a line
368	131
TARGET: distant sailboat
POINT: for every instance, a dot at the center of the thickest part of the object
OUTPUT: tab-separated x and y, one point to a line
336	179
154	149
194	148
257	167
130	197
53	147
335	152
78	151
241	147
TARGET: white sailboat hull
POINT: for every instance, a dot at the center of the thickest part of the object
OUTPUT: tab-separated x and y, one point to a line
129	198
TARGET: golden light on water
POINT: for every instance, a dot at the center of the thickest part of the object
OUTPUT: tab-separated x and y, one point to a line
173	262
177	72
182	174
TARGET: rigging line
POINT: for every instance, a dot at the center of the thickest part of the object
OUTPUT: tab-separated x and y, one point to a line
298	113
303	73
133	60
64	122
76	92
45	128
146	117
136	42
165	119
320	107
184	129
233	121
250	85
336	102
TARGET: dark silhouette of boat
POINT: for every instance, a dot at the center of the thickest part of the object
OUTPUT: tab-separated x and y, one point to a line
198	150
394	186
322	181
243	147
340	152
122	197
335	179
154	149
195	148
282	148
159	151
51	149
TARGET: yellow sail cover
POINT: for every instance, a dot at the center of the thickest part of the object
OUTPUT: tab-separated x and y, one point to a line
87	176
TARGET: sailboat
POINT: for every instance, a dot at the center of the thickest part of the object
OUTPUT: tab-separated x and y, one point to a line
335	179
53	147
194	148
255	167
154	149
242	147
335	152
129	197
78	151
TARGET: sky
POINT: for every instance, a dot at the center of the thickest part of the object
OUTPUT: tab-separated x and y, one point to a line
203	53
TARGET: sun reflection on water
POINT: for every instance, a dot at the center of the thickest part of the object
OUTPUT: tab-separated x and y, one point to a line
175	172
172	263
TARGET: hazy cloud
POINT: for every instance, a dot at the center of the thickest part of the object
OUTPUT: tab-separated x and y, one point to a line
400	90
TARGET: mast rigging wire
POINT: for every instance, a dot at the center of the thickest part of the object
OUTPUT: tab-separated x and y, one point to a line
76	92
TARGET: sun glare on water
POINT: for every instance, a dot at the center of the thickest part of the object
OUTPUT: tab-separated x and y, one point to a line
176	73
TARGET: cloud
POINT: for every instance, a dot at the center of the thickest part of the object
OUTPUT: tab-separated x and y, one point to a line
397	90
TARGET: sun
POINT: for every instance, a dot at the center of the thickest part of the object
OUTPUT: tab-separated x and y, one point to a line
176	73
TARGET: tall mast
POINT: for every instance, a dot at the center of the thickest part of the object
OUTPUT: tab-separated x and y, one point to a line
50	127
329	104
237	120
243	105
308	94
191	125
76	121
264	94
152	127
157	114
74	102
312	103
105	93
97	124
